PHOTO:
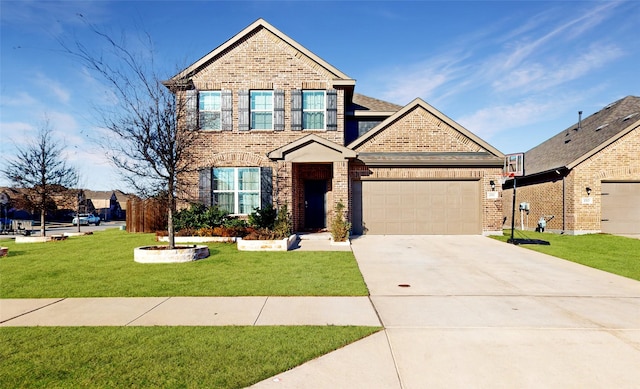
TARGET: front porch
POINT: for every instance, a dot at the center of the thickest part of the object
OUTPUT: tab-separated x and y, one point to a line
315	172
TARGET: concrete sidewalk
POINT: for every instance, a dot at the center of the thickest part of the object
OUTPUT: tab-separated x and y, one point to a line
188	311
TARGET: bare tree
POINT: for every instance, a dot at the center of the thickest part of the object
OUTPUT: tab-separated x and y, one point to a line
39	169
151	146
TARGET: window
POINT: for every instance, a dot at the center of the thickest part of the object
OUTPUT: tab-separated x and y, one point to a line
261	107
313	110
210	108
237	190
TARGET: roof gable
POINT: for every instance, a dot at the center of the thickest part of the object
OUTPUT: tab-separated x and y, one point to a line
340	77
440	121
312	148
580	141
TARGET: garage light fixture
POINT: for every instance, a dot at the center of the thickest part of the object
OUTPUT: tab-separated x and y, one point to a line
588	191
493	185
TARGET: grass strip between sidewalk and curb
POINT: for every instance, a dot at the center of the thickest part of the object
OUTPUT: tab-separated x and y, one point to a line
102	265
614	254
167	357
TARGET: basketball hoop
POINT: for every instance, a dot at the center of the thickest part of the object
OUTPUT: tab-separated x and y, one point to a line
506	176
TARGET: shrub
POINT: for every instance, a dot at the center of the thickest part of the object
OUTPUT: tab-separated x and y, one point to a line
199	216
263	218
339	225
283	225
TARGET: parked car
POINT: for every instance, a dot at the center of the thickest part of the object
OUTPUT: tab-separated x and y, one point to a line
86	219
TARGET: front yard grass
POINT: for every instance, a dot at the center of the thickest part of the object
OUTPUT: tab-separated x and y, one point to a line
101	265
160	357
614	254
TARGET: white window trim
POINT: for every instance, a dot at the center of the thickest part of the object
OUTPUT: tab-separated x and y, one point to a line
323	110
252	111
219	111
236	191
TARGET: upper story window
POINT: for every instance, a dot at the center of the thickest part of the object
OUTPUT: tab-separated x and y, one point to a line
210	110
313	110
261	107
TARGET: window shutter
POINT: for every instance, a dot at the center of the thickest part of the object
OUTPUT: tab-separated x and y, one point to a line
278	110
296	109
204	187
227	110
332	110
191	109
243	110
266	186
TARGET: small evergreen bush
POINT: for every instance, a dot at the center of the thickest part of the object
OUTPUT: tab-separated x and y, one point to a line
339	225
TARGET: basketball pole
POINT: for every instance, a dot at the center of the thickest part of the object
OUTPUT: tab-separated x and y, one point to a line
513	211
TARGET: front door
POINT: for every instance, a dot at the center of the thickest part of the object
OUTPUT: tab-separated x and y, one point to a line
315	194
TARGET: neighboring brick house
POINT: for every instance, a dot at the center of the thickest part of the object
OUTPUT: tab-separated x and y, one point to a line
103	203
586	177
277	124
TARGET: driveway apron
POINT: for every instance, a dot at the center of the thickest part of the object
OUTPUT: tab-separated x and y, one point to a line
472	312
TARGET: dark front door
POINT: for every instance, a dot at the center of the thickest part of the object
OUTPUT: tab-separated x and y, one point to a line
315	193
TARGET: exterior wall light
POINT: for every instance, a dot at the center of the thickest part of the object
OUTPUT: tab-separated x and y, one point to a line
588	191
493	185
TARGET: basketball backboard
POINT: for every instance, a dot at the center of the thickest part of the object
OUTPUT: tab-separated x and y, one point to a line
514	165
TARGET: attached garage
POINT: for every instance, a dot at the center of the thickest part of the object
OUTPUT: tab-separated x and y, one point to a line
418	207
621	207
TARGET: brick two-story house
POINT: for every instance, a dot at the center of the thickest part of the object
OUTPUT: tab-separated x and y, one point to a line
277	124
586	178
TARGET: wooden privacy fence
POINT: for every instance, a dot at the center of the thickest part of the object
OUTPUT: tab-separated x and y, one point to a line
149	215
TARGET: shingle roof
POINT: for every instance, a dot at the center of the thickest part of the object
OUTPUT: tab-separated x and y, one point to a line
431	159
366	103
573	145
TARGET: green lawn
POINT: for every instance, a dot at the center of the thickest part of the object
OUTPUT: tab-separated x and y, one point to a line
101	265
614	254
160	357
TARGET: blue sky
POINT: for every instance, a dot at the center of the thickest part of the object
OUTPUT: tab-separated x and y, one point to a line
512	72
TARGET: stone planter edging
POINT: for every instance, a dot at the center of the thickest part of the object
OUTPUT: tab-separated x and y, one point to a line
33	239
199	239
178	255
267	245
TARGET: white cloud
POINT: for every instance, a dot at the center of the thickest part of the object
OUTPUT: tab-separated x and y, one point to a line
537	76
22	99
54	87
491	120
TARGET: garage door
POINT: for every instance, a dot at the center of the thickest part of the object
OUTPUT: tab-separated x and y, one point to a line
421	207
621	207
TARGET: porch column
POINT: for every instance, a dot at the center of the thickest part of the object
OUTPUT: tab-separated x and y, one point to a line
340	186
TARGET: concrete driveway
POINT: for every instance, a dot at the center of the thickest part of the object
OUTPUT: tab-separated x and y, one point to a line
471	312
